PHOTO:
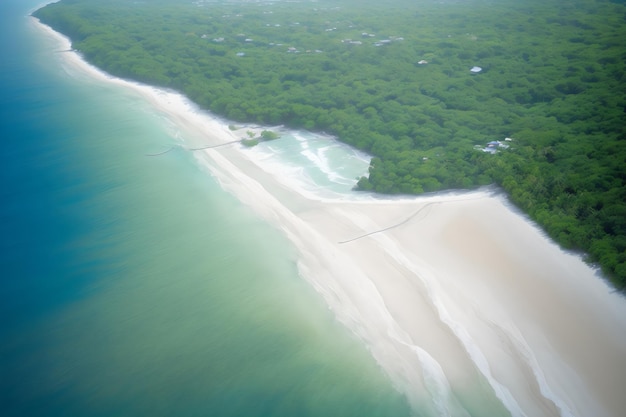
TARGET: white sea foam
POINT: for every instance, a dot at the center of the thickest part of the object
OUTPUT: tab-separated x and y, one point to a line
428	278
524	350
435	381
343	285
311	169
333	172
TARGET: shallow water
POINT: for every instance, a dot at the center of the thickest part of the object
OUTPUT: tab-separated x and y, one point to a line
316	164
135	285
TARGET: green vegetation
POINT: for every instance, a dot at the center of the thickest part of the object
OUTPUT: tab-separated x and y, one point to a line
253	139
393	78
250	142
269	135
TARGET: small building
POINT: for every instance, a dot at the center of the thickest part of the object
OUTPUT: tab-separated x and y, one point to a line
475	70
493	147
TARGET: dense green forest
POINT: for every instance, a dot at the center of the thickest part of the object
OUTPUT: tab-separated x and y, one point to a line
395	79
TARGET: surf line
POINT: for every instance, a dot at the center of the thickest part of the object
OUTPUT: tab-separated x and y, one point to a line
408	219
194	149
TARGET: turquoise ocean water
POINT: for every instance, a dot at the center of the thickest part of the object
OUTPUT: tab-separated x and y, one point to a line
136	286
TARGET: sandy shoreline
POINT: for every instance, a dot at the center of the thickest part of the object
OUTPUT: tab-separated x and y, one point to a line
462	290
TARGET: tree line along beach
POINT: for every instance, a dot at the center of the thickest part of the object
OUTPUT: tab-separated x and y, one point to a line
399	83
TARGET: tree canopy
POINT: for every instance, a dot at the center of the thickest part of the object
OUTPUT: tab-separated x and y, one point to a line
393	79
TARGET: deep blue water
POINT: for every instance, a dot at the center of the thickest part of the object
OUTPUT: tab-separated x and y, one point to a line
37	223
122	286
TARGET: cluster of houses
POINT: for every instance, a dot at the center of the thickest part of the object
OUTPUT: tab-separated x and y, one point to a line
293	49
348	41
491	146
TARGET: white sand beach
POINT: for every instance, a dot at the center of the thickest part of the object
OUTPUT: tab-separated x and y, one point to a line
466	282
446	290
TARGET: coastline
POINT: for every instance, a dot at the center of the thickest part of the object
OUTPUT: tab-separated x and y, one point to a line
505	310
